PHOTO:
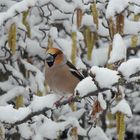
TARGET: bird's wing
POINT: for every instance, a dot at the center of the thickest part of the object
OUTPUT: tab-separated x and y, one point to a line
74	71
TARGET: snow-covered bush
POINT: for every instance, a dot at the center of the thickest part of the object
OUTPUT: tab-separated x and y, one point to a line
101	38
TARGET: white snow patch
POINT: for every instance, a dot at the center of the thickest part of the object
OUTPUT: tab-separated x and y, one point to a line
80	64
87	20
76	114
64	6
104	76
6	85
66	45
116	7
46	128
34	49
85	86
14	92
39	77
97	134
25	130
18	7
131	27
118	49
102	31
135	1
123	107
130	67
10	115
45	101
136	102
15	72
99	61
101	101
37	137
53	33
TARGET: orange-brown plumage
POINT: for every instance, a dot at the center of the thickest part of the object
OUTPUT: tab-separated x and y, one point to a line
61	76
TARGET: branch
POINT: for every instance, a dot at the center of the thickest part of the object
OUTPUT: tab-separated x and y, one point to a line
135	74
27	118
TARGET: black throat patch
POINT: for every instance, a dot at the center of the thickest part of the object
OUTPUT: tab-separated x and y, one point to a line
50	63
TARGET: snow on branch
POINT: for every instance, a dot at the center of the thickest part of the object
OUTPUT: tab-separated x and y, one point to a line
123	107
16	115
16	9
39	77
100	75
118	49
98	81
11	94
4	87
130	69
115	7
39	105
104	79
136	2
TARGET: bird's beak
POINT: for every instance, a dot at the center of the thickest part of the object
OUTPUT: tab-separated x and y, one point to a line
49	58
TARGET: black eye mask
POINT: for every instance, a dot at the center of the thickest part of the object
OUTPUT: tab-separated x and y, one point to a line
50	59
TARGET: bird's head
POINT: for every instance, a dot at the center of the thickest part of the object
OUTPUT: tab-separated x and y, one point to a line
54	56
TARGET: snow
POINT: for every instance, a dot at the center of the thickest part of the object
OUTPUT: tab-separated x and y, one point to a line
15	72
68	8
129	68
97	134
25	130
44	19
123	107
56	14
80	64
34	49
76	114
6	85
115	7
118	49
82	89
11	94
102	31
10	115
99	61
53	33
46	128
131	27
87	20
32	83
7	3
43	102
16	8
137	105
37	137
135	1
65	45
39	77
136	10
104	76
18	114
102	101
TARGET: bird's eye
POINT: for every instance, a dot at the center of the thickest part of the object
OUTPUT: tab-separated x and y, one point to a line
49	58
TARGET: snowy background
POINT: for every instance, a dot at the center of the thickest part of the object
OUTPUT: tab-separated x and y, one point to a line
101	38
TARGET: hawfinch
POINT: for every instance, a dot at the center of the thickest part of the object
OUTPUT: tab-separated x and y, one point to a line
61	75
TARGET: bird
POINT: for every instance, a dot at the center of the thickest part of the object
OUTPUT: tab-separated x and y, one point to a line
60	74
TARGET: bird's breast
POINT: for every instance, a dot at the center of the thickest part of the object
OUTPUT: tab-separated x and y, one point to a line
61	81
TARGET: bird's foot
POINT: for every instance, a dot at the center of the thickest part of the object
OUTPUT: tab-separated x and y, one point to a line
58	102
70	99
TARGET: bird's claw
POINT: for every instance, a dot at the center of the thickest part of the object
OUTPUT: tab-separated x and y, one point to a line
58	102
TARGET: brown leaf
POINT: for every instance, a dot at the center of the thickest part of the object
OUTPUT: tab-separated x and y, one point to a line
96	108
